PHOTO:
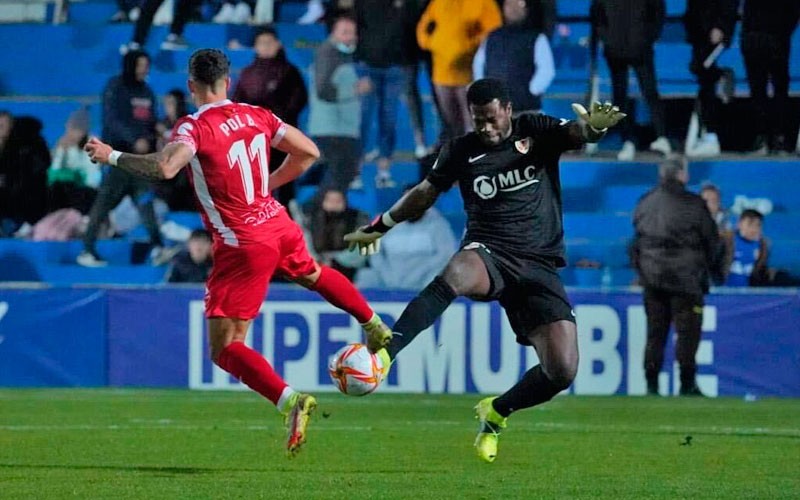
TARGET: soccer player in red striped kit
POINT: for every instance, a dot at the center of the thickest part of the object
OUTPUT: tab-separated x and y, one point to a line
227	147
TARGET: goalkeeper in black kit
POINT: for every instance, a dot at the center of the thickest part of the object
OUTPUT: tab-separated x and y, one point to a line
508	174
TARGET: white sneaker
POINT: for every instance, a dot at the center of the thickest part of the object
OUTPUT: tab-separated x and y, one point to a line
420	151
706	147
160	255
627	152
134	14
661	145
90	259
225	14
356	184
164	14
127	47
174	42
313	14
241	14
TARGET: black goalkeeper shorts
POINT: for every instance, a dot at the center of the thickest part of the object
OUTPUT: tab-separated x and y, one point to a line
529	289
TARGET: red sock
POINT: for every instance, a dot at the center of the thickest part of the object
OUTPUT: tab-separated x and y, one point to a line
338	290
251	368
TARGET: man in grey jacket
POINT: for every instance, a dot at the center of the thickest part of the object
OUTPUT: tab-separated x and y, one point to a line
335	105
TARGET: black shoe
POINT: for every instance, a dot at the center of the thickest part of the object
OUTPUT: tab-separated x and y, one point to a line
691	390
652	389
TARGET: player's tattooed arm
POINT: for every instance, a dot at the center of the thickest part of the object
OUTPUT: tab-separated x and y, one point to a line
415	202
162	165
148	165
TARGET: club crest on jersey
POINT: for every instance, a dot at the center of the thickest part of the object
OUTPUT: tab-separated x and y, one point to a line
487	187
523	145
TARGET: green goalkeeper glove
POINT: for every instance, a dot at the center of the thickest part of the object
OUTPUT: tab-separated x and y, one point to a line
367	239
601	116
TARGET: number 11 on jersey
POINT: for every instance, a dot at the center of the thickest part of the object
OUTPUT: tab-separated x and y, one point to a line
239	154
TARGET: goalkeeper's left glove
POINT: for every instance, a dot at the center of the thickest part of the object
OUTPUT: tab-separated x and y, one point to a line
601	116
367	239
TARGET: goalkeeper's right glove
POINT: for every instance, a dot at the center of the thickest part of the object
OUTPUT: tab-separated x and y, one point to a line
367	238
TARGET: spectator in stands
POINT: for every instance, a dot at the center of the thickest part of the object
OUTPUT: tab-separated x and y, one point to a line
175	40
767	27
193	264
335	105
327	221
629	30
747	251
452	30
127	10
386	46
518	54
709	28
412	257
235	12
273	82
175	107
176	192
23	176
675	251
314	12
713	198
72	178
129	124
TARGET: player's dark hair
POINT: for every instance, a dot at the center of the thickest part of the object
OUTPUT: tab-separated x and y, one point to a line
208	66
200	234
486	90
751	214
267	30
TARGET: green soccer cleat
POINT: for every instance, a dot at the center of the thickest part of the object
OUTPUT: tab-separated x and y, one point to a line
386	361
377	333
489	432
301	406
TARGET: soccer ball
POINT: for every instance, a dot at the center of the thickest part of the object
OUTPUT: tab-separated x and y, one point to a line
355	370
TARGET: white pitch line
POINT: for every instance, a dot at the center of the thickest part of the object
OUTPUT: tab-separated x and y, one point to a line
166	424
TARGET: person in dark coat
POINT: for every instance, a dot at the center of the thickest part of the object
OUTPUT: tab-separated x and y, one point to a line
24	161
767	27
629	30
709	29
676	251
193	264
271	81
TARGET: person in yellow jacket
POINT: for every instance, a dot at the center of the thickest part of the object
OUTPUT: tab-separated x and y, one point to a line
452	30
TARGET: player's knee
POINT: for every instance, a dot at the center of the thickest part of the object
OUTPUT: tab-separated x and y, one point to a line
461	277
562	373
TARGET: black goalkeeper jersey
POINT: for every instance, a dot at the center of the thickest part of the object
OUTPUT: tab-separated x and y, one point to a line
512	191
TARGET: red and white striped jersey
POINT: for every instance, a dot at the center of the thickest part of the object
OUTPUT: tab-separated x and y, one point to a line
230	168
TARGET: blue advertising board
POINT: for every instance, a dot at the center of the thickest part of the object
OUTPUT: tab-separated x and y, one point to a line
156	337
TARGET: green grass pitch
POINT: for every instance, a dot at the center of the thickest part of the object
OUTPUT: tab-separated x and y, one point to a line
179	444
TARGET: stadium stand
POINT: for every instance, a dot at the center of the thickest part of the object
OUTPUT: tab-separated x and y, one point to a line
50	70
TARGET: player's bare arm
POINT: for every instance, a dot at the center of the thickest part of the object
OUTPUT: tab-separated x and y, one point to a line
413	204
164	164
593	123
302	153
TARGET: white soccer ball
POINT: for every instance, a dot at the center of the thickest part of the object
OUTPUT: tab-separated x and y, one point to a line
355	371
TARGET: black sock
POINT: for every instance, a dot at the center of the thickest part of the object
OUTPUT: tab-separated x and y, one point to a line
534	388
420	313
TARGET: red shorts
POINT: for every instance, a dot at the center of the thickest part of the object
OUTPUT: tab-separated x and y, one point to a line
240	276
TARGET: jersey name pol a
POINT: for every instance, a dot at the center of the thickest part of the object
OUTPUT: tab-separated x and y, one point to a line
230	168
511	191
